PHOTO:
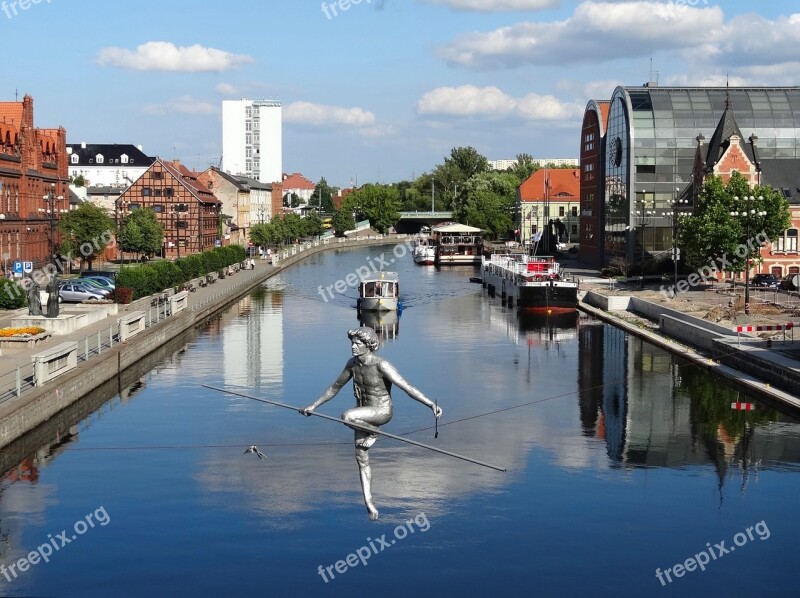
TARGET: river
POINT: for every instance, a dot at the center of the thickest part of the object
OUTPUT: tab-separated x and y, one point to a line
622	460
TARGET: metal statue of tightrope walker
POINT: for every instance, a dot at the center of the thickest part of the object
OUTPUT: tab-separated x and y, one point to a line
373	378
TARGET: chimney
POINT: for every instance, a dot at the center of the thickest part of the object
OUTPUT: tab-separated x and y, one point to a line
176	163
139	147
83	145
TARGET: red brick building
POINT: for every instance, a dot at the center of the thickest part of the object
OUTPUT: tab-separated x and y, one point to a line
187	210
727	152
595	121
33	164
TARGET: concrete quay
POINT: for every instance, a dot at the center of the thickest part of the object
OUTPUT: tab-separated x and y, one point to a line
692	327
34	406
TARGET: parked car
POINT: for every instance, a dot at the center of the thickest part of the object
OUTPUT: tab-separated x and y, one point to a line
77	292
102	283
765	280
106	273
789	283
108	279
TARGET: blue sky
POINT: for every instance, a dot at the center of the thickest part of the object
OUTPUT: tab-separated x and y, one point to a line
384	89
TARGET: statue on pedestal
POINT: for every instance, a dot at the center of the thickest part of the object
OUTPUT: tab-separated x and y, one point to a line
34	299
52	298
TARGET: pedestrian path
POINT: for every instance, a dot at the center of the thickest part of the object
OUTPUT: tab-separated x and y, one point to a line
16	364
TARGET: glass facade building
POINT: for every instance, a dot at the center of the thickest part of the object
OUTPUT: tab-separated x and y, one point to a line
650	147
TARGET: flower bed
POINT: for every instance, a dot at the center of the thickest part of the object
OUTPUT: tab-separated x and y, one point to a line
20	332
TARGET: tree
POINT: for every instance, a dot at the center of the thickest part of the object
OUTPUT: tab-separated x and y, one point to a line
711	237
524	167
467	161
86	232
323	197
489	199
343	221
78	180
295	201
141	233
380	204
312	225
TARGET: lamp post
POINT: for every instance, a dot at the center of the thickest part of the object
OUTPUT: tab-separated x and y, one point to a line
748	214
643	217
677	205
6	255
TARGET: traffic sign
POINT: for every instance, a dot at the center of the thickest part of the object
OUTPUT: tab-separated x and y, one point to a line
743	406
27	267
17	267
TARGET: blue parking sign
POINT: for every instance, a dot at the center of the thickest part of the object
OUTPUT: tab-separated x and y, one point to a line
17	267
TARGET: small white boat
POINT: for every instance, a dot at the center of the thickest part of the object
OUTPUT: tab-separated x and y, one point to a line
424	252
379	292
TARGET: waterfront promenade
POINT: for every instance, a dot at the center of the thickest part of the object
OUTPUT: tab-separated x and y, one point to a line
100	354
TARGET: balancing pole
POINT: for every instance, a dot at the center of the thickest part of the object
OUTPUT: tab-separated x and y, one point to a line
362	427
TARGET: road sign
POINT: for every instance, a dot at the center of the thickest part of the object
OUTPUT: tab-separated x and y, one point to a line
676	255
27	267
17	267
743	406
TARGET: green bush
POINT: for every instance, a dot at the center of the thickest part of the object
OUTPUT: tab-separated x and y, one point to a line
12	294
157	276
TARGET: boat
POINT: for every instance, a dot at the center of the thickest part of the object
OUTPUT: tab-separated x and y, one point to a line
424	253
457	244
529	282
379	292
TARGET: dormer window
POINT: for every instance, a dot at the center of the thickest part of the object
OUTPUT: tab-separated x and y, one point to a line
74	158
124	158
99	158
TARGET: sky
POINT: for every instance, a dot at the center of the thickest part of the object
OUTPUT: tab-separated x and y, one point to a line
376	90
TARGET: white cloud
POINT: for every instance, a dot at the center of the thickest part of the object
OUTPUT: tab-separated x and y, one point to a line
182	105
166	56
497	5
226	89
322	115
595	32
469	101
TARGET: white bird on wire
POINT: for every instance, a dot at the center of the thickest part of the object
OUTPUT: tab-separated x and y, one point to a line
254	449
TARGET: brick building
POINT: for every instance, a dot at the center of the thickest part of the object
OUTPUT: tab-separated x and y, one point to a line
595	121
187	210
33	166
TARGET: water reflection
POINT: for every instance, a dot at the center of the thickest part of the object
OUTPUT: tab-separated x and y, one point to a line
385	324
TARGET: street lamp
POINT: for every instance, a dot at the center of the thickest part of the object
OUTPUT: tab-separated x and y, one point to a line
748	215
6	255
644	217
677	205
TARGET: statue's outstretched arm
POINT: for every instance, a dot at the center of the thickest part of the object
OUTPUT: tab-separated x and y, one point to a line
395	378
331	391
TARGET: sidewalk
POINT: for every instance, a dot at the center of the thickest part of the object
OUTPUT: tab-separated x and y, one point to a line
102	335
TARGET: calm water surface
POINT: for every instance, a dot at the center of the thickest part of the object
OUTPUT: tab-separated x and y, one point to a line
621	459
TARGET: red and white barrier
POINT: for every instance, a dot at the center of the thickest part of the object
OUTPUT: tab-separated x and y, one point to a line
765	328
743	406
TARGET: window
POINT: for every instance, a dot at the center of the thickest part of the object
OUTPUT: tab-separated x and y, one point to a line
181	207
168	192
133	206
574	229
182	224
248	152
157	192
248	139
248	126
124	158
574	211
561	211
99	158
146	191
158	208
74	158
158	175
791	240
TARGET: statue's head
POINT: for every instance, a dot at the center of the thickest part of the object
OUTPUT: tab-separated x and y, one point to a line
366	336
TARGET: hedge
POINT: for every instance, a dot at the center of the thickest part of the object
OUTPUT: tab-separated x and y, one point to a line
12	294
157	276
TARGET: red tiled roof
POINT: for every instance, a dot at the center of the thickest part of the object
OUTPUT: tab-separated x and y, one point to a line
202	194
296	181
554	183
11	113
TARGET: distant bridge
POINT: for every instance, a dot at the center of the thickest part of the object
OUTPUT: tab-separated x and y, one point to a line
411	222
